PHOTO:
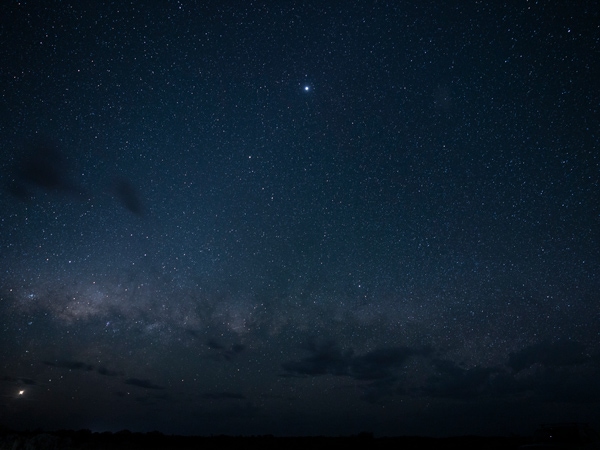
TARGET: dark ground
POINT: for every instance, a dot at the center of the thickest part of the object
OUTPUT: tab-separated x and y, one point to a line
85	439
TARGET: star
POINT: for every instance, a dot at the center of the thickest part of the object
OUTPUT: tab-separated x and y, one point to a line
306	88
21	392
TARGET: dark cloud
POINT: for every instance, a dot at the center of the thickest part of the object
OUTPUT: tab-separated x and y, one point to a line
382	368
551	354
146	384
195	334
214	345
223	353
44	166
224	396
128	196
510	385
325	358
329	359
452	381
71	365
566	384
556	375
381	363
237	348
27	381
109	373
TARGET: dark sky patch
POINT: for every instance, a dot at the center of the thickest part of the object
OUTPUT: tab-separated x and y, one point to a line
146	384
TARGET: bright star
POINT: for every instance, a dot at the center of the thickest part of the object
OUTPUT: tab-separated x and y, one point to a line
21	392
306	88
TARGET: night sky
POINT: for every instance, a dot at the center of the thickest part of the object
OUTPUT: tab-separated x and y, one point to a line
299	218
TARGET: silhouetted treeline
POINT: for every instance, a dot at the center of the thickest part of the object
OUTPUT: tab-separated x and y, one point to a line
85	439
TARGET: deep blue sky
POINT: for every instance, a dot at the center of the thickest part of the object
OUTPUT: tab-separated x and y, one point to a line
299	217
